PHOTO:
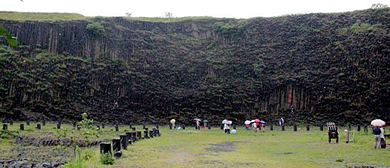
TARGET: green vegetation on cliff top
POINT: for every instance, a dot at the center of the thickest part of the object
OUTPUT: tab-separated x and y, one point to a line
24	16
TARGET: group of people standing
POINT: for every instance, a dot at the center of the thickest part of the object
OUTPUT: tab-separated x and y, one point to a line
379	137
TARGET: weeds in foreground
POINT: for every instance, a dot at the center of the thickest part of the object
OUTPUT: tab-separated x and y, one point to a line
106	159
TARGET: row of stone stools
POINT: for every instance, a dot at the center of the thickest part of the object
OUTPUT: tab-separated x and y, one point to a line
127	139
39	125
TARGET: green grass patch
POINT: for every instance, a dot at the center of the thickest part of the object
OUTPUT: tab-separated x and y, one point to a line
24	16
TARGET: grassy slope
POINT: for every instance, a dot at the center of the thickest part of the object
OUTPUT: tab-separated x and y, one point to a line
24	16
189	148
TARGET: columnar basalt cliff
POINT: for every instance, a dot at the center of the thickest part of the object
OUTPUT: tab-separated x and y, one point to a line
307	68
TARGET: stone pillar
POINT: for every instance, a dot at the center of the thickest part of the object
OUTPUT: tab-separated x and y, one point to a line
103	125
28	122
43	122
124	141
5	126
346	136
11	122
155	132
22	127
308	127
295	127
158	132
128	136
38	126
321	127
146	134
170	126
139	135
133	136
271	127
98	127
151	134
116	127
59	126
133	128
283	129
116	144
105	147
184	127
74	124
358	128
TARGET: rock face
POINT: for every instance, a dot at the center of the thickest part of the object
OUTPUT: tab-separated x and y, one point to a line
122	39
311	68
47	141
29	164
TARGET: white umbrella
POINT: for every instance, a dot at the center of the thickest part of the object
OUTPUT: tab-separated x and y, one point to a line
228	122
247	122
224	121
378	123
173	121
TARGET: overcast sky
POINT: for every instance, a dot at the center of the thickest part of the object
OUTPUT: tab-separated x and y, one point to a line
182	8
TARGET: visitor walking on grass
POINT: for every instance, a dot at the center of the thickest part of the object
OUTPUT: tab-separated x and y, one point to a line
377	138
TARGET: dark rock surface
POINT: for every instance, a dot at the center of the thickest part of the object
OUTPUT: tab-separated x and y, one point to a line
310	68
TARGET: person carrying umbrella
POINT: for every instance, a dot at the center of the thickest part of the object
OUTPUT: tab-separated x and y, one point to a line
263	125
227	126
205	124
253	125
173	121
257	121
376	130
247	122
197	123
223	123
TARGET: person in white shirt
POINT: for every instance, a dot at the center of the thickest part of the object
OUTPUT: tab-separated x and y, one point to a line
382	136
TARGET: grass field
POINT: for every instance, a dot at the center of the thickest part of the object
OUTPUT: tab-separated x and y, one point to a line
213	148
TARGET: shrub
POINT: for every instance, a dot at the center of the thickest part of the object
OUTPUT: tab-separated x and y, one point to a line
8	37
4	136
227	29
106	159
96	29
